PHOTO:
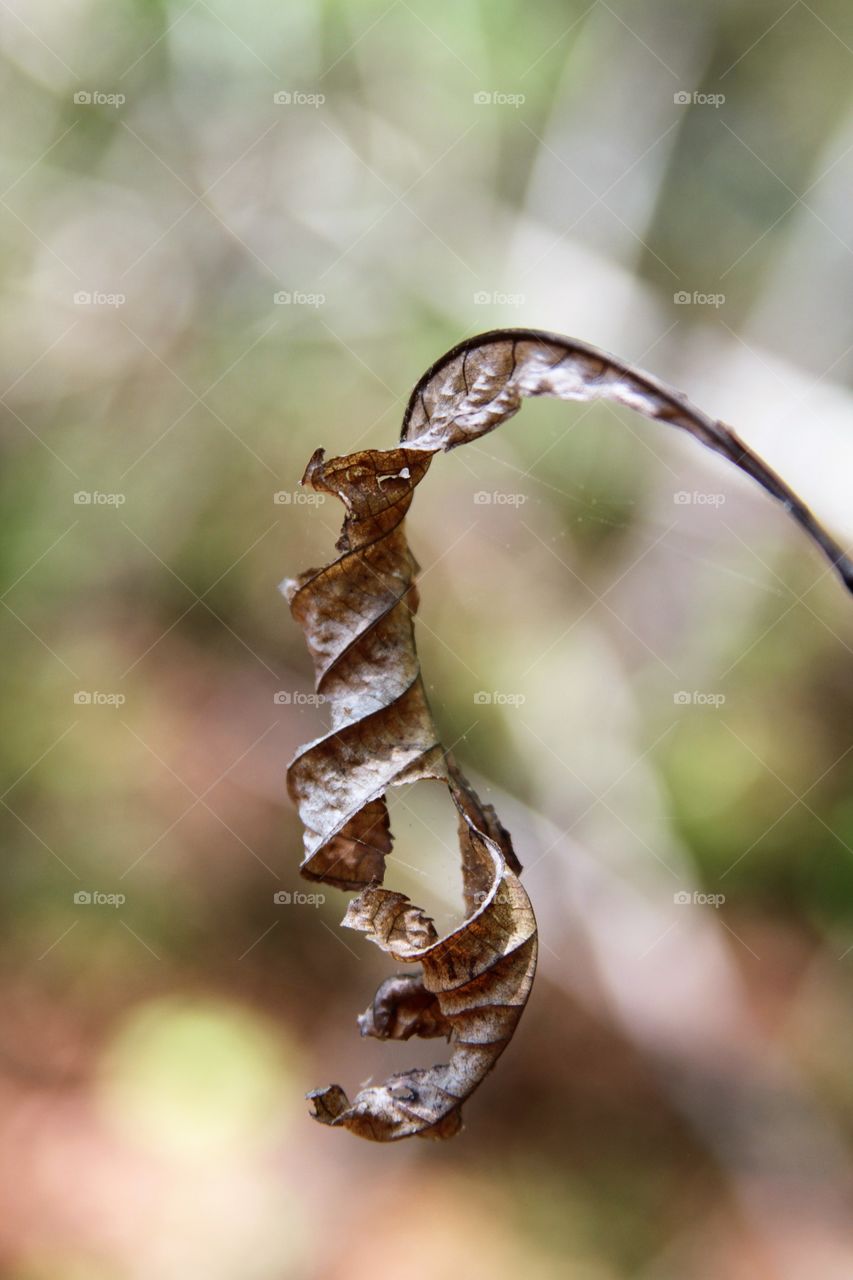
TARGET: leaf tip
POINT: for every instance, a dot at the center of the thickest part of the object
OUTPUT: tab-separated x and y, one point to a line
315	464
329	1103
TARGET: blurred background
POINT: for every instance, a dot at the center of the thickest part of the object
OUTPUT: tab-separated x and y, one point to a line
230	235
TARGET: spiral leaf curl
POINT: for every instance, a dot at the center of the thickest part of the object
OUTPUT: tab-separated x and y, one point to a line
357	614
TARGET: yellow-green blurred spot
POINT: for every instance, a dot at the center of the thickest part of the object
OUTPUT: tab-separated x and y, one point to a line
709	771
47	1266
195	1078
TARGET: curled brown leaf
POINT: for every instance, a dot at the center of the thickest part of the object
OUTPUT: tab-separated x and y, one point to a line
357	614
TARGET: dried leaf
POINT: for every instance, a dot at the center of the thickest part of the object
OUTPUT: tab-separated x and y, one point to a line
357	614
